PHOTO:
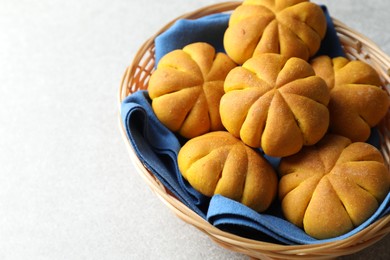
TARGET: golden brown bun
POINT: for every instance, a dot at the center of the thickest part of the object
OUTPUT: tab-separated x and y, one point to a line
219	163
291	28
332	187
357	103
275	103
186	88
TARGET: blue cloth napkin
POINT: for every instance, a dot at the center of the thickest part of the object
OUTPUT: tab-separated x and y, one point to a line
157	147
208	29
228	214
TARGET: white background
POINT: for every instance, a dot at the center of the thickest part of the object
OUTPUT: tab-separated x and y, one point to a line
67	187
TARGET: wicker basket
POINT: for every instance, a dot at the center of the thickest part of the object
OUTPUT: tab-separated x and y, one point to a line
356	46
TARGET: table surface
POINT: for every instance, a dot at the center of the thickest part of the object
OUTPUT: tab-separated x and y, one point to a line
67	187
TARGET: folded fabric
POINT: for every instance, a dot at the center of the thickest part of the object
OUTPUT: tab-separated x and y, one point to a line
208	29
157	147
226	214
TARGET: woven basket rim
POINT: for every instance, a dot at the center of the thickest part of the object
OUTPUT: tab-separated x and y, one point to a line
355	44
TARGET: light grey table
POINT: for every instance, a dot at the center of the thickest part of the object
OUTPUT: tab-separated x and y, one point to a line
67	187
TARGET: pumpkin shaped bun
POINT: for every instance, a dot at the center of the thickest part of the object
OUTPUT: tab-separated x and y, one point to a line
275	103
357	102
333	186
219	163
293	28
186	88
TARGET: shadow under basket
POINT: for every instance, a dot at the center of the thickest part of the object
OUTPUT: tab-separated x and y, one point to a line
356	46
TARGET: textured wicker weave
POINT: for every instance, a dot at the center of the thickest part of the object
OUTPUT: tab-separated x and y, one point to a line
356	46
